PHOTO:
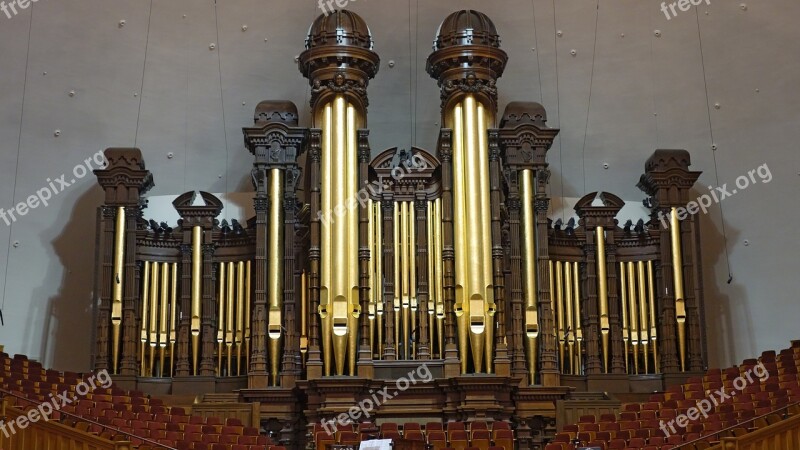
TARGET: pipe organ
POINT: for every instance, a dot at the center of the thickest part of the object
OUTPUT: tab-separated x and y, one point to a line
361	264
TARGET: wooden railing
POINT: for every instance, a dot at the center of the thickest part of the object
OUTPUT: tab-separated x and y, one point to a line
52	435
783	435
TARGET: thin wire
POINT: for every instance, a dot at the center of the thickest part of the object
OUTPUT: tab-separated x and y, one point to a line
589	105
411	100
144	68
19	148
653	82
558	104
713	152
222	103
416	70
536	51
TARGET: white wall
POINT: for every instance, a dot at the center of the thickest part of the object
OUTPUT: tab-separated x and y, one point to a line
646	92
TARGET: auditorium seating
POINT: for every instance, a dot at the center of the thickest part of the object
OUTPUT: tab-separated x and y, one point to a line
639	425
118	414
478	435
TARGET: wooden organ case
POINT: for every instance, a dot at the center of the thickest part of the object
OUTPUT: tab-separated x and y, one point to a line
357	271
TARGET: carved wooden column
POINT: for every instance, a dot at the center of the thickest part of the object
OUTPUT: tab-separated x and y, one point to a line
314	363
451	356
365	365
501	357
591	323
124	180
668	180
276	142
515	287
103	274
183	366
547	334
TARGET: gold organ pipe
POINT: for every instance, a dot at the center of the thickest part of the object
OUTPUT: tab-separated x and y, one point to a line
624	297
412	263
602	292
162	322
437	232
145	311
325	305
230	303
633	316
485	117
339	236
576	294
372	282
475	240
239	339
379	275
221	317
560	311
652	304
528	231
677	268
461	304
303	313
397	245
173	313
405	253
247	289
432	290
643	336
197	291
275	274
569	318
353	244
116	294
153	325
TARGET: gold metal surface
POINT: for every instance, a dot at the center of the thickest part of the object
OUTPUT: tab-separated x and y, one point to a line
116	292
145	312
633	317
569	318
379	275
562	323
652	303
624	309
677	268
412	276
153	325
643	330
239	337
602	292
528	231
275	282
303	312
221	317
229	317
576	294
371	274
197	292
247	308
162	321
405	260
326	251
461	303
352	234
437	227
173	316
